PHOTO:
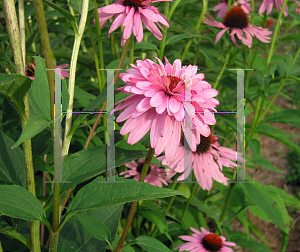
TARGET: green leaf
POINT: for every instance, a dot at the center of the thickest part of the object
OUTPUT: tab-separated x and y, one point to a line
90	162
180	37
83	97
124	145
65	13
3	57
98	195
291	117
17	202
248	242
288	199
15	90
8	230
77	5
12	167
264	201
6	78
265	163
145	45
278	135
254	146
65	95
60	29
34	125
94	228
156	217
91	107
39	98
290	37
74	237
295	15
150	244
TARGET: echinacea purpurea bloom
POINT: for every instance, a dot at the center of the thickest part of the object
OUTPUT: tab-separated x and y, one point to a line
132	14
267	5
222	7
30	70
158	101
204	241
236	20
207	162
155	175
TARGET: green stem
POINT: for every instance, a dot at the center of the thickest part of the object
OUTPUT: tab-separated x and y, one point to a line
163	42
175	186
188	202
131	52
204	10
229	5
56	195
40	15
223	67
20	69
102	85
22	28
230	191
53	242
95	52
1	249
134	204
67	138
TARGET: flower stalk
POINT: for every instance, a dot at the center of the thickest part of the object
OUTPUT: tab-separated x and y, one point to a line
188	202
135	203
223	67
204	10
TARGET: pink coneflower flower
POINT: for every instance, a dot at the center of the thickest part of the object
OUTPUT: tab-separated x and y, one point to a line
130	14
30	70
204	241
222	7
207	162
236	20
268	6
159	102
155	175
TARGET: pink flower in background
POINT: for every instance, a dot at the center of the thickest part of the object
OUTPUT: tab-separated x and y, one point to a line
30	70
204	241
236	20
297	10
155	176
222	7
267	5
158	102
207	162
131	14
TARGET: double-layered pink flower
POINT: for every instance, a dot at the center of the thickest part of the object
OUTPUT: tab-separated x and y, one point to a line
207	162
222	7
132	14
204	241
158	103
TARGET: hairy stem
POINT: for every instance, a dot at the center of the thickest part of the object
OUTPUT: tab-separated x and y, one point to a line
223	67
188	202
20	69
228	198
